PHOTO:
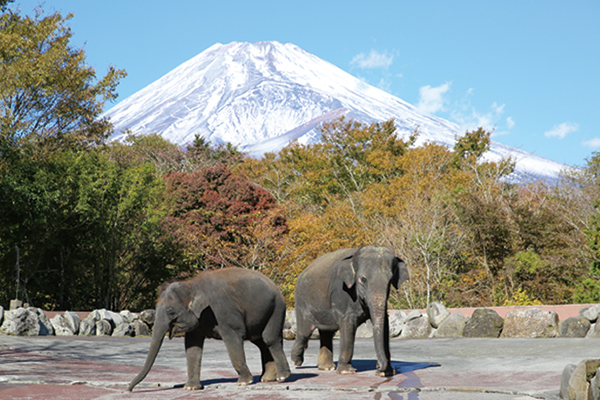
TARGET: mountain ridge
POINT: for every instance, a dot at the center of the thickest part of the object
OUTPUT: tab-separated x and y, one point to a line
260	96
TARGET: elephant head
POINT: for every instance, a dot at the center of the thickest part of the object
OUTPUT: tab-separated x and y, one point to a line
176	312
369	273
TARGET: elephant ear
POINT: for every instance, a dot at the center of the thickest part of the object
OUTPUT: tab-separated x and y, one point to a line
347	272
197	305
400	273
179	293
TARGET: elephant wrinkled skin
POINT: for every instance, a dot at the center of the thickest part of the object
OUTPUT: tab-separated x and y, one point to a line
340	291
232	304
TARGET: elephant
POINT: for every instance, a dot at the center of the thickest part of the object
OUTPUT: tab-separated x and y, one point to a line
230	304
340	291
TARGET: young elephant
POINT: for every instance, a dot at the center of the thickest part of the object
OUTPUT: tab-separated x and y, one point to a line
340	291
232	304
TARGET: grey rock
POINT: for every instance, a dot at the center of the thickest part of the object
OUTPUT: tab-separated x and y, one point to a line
564	381
125	329
414	315
574	327
397	320
1	315
594	390
87	327
20	322
148	316
128	316
15	305
94	316
365	330
437	313
594	332
141	329
484	323
289	327
578	383
73	320
116	319
46	328
453	326
590	313
530	323
61	326
103	328
417	328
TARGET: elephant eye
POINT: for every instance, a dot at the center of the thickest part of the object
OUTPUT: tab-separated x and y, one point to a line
363	280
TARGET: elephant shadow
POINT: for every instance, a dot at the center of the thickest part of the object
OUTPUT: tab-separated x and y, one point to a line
401	367
220	381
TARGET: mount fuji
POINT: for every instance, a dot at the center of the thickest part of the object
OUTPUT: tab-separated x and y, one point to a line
260	96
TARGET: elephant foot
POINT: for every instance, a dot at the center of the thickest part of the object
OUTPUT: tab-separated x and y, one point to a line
270	372
284	376
326	367
297	360
385	373
345	369
325	361
245	381
193	386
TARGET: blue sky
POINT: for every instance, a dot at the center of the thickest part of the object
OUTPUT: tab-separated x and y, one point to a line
530	70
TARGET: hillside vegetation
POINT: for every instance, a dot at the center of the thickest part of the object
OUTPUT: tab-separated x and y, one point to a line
92	224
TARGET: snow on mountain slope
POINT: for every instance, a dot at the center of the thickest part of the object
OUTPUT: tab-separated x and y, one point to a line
260	96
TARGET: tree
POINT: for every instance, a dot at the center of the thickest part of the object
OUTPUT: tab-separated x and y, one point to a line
4	4
48	95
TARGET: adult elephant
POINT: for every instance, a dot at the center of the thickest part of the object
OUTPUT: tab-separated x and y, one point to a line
232	304
340	291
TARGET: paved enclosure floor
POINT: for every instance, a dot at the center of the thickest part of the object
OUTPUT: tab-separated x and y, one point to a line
101	367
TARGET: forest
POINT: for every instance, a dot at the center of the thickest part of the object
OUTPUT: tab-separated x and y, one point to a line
90	223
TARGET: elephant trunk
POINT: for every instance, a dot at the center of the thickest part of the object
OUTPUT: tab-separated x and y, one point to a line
158	333
381	334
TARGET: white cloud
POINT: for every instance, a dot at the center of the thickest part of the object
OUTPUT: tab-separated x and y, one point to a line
471	119
562	130
373	60
593	143
510	122
431	99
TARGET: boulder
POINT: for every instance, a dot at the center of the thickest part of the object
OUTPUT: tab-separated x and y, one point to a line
103	328
1	315
117	319
397	319
73	320
453	326
125	329
128	316
530	323
564	381
94	316
61	326
417	328
289	327
46	328
413	315
141	329
594	390
20	322
484	323
365	330
148	317
87	327
574	327
594	332
16	304
579	384
590	313
437	313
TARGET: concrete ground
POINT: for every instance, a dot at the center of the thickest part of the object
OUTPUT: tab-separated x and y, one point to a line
45	367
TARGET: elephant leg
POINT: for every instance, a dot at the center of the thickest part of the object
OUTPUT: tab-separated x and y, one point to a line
235	348
347	336
303	332
269	368
325	361
194	345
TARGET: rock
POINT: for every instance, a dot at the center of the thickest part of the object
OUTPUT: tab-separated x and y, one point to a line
15	305
141	329
46	328
289	327
94	316
397	320
87	327
1	314
590	313
417	328
413	315
116	319
594	390
574	327
530	323
125	329
103	328
594	332
578	383
453	326
62	327
148	317
437	313
73	320
20	322
484	323
564	381
365	330
128	316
